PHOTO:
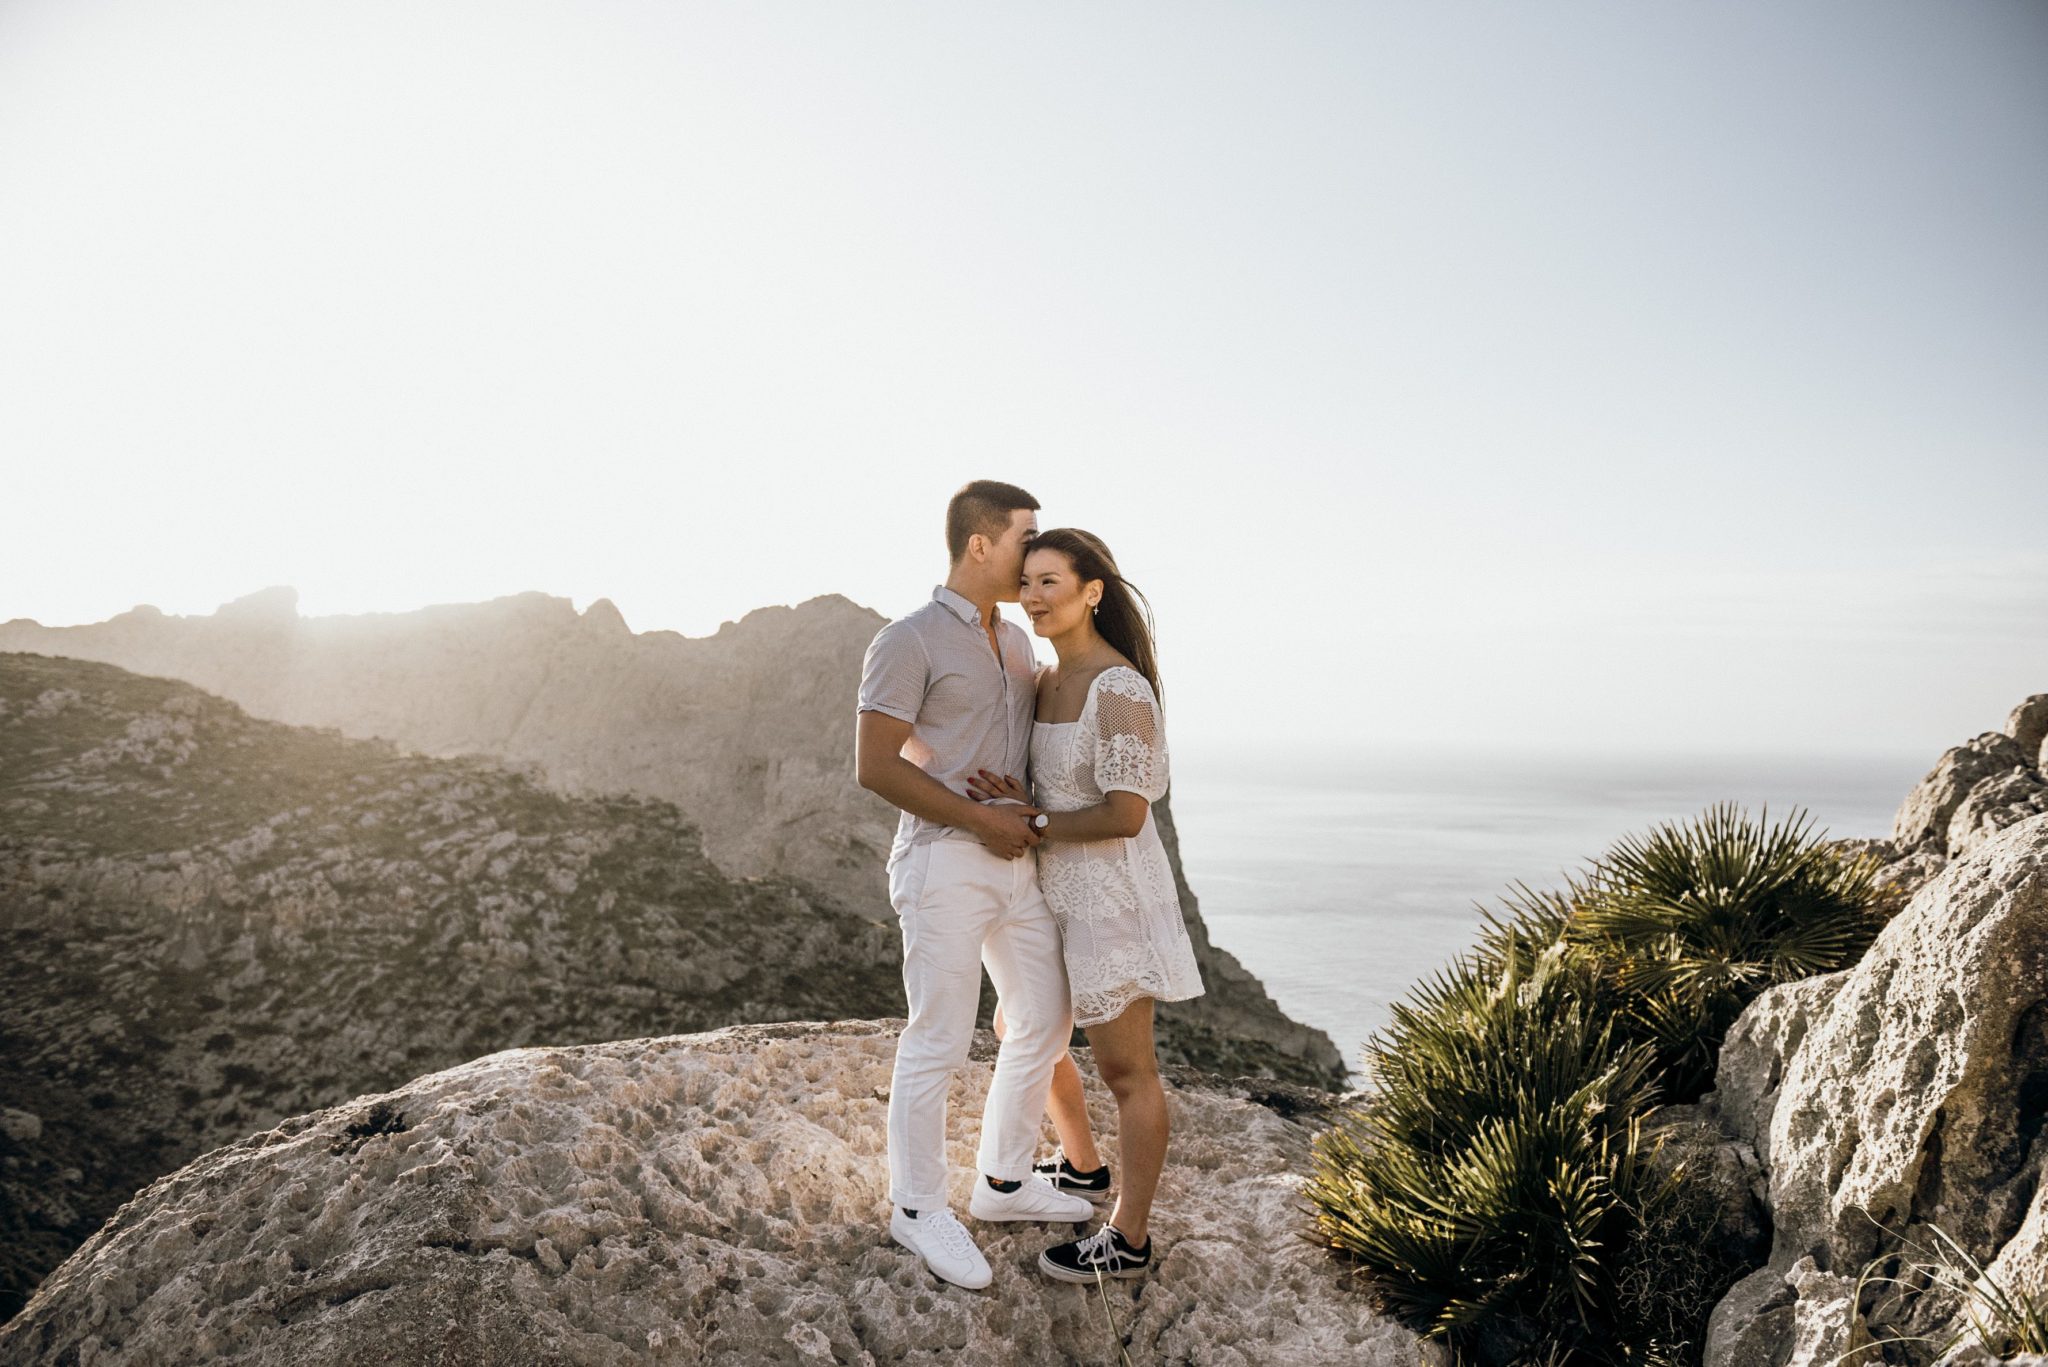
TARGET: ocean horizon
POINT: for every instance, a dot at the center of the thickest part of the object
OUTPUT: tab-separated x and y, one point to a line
1342	880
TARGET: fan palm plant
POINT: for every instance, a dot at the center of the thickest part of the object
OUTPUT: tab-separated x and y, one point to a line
1501	1168
1496	1191
1692	920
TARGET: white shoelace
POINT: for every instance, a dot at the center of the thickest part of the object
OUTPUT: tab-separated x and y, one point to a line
1096	1249
951	1233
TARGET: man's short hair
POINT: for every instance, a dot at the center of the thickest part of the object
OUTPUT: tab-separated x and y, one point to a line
983	506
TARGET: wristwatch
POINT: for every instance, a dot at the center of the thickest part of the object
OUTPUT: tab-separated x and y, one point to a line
1041	821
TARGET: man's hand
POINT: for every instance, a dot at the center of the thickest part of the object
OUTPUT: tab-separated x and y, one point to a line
1006	830
879	767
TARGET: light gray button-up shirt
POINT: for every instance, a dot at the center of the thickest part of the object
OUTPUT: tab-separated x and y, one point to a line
934	670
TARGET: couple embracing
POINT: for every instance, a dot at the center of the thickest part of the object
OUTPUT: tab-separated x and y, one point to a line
1061	889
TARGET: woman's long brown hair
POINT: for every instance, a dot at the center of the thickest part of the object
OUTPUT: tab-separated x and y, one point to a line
1124	617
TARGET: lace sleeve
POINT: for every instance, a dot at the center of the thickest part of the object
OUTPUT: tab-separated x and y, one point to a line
1130	739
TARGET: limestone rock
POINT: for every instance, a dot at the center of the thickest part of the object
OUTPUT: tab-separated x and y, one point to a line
1900	873
1993	804
1910	872
2028	724
1913	1095
1923	818
1755	1051
706	1199
1753	1323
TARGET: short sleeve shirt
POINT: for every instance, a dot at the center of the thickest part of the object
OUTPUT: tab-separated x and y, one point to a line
968	711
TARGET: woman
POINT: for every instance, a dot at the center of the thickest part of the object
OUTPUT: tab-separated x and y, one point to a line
1098	762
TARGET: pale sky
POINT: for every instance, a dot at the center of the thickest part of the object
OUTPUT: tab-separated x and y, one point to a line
1574	375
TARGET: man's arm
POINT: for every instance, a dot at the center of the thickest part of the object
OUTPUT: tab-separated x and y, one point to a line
879	767
1119	816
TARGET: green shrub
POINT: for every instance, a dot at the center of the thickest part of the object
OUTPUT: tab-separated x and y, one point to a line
1690	922
1496	1191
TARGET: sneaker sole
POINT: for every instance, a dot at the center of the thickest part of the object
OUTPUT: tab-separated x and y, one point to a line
1020	1218
1062	1274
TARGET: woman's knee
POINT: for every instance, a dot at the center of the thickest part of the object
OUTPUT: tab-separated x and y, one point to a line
1127	1075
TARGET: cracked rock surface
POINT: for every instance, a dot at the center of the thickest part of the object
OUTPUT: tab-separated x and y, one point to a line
715	1198
1905	1094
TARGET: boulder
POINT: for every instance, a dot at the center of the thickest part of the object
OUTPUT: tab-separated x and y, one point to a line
2028	724
708	1199
1911	1096
1753	1056
1923	818
1900	872
1994	804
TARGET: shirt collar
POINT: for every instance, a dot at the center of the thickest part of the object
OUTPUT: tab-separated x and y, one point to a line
958	605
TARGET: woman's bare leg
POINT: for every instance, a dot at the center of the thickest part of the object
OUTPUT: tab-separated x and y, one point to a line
1067	1104
1130	1069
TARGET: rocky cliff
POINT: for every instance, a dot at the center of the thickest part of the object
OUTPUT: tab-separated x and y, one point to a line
749	732
1904	1102
216	922
705	1199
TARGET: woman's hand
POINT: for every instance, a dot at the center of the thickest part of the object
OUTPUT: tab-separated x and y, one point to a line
987	787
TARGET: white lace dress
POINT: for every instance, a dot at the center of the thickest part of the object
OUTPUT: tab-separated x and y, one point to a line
1114	899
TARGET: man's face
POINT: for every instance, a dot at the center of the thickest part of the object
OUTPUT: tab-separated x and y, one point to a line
1006	561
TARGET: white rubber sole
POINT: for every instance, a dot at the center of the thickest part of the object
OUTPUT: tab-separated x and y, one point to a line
995	1215
1062	1274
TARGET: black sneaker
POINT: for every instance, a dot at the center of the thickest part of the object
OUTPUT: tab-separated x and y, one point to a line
1064	1175
1101	1254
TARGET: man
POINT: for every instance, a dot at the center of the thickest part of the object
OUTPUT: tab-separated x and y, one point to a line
945	692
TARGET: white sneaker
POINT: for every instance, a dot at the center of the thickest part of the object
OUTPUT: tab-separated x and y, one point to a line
938	1237
1035	1199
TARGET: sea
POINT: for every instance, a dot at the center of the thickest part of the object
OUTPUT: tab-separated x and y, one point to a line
1341	880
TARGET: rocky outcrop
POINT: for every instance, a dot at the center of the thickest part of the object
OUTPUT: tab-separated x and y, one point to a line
748	731
1905	1095
1974	791
1925	816
2028	724
215	922
2003	800
709	1199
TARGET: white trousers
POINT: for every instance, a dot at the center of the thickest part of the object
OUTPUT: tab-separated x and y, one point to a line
962	907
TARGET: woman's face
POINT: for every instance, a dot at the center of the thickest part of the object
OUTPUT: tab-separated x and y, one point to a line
1055	598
